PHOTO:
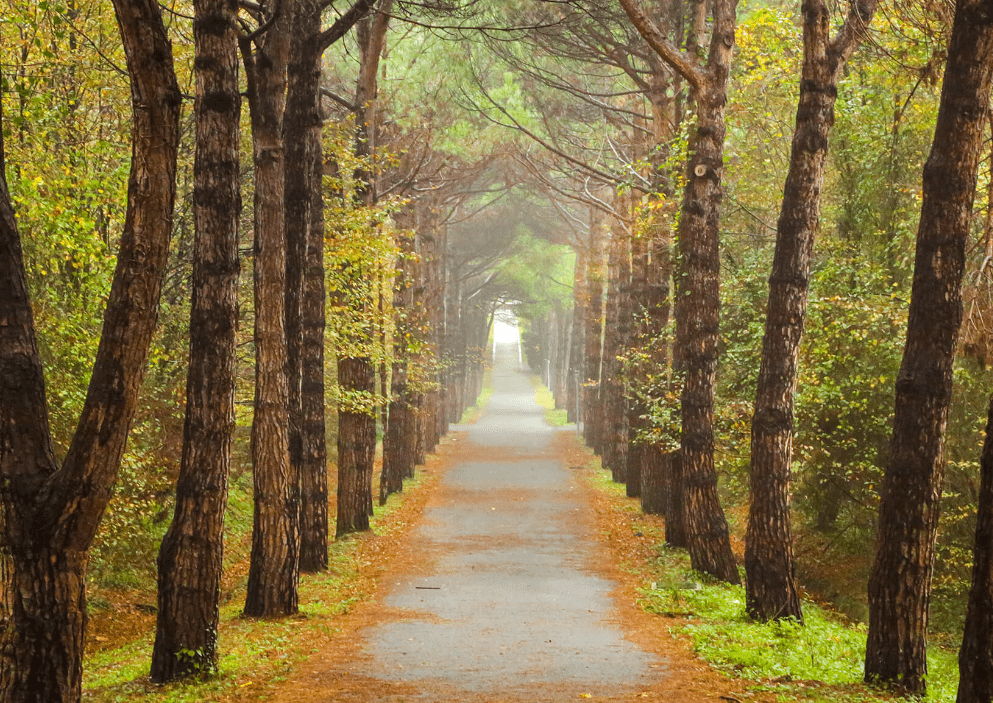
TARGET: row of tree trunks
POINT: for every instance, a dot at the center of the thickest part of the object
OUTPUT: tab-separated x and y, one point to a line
51	512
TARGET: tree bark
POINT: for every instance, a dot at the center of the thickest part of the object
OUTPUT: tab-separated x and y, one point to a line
50	513
899	588
593	338
617	324
771	591
398	454
698	285
976	654
305	315
274	568
191	556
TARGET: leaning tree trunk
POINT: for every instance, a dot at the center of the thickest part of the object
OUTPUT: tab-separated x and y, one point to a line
976	655
900	585
191	556
771	591
51	513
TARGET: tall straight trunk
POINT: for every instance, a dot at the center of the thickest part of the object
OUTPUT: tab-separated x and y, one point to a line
305	282
314	450
592	337
579	312
191	556
398	454
614	406
356	448
698	284
771	591
357	427
976	654
51	512
900	585
639	340
274	567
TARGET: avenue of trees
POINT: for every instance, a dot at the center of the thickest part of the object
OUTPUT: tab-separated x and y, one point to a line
702	212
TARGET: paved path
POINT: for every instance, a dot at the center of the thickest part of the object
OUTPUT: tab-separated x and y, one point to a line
509	605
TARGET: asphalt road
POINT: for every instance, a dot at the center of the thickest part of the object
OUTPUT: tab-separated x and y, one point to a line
508	604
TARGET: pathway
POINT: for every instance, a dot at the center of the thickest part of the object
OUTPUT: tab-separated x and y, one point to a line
505	601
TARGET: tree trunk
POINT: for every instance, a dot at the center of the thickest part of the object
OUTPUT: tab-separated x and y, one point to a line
639	340
50	513
190	559
899	588
593	338
771	591
579	312
356	448
976	655
398	454
357	426
274	569
615	417
698	294
305	321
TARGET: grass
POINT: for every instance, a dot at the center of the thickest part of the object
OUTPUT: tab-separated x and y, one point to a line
544	398
819	661
252	652
472	414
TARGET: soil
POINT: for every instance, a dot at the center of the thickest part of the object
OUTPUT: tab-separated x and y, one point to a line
507	586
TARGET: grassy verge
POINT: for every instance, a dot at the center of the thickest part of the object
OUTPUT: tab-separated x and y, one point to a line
544	398
474	412
819	661
253	653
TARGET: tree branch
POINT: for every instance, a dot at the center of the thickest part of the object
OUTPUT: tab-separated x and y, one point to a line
667	51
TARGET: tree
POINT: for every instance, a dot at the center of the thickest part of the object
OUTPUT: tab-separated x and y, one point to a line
191	556
899	588
976	654
274	569
698	282
51	511
356	373
771	591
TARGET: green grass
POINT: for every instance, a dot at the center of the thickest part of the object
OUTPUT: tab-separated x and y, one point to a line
252	652
544	398
475	411
821	660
